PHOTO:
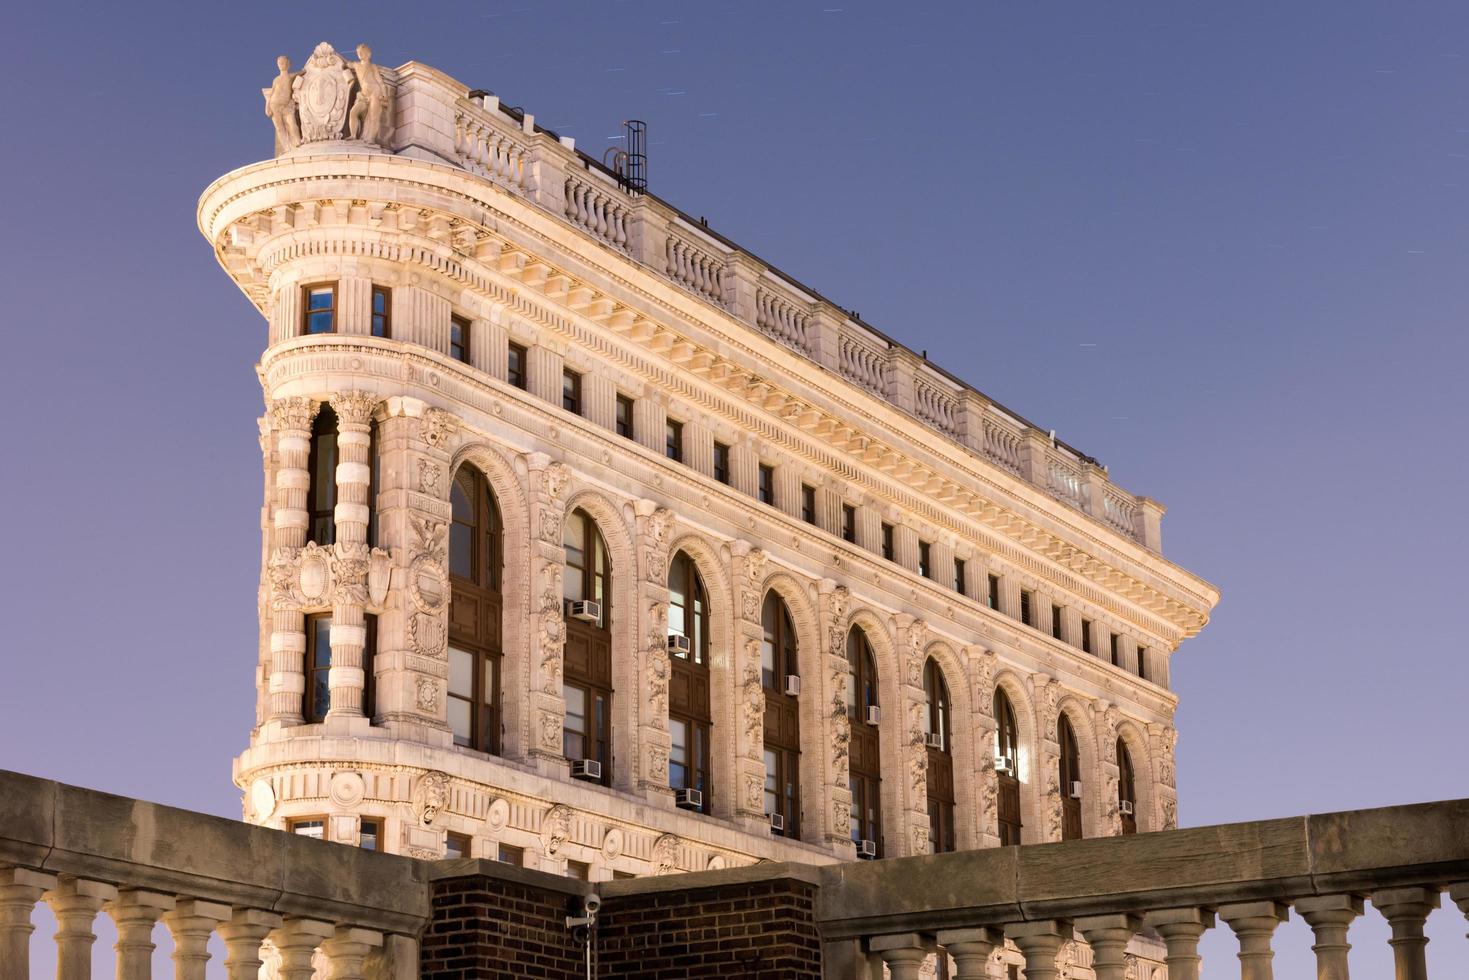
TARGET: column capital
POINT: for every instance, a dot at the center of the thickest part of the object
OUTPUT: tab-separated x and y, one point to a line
1328	908
1109	936
970	949
242	935
346	950
1040	941
903	952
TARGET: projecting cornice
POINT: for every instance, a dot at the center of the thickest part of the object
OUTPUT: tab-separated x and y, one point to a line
464	229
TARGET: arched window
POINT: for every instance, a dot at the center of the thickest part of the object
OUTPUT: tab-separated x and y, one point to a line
1007	768
689	717
940	759
321	499
780	677
587	671
1070	775
476	563
1126	788
864	774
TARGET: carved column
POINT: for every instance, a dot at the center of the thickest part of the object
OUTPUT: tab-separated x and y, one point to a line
548	484
1181	929
1406	909
1046	693
970	949
655	531
1107	720
985	822
75	902
347	950
1329	916
836	602
291	418
20	890
904	953
242	935
908	729
191	923
749	577
350	553
136	912
1109	936
297	939
1164	739
1040	942
1254	923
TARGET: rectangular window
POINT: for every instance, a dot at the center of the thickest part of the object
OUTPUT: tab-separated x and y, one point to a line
515	366
961	584
925	552
624	417
1142	662
313	827
673	440
1086	635
1116	653
808	503
571	391
992	597
1027	615
1056	621
371	831
888	551
319	313
721	463
622	875
457	846
316	700
849	523
579	870
510	854
459	338
382	312
766	488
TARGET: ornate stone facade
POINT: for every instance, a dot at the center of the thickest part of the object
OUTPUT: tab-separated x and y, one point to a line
483	225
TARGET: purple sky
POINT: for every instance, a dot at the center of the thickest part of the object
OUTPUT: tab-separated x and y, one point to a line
1221	247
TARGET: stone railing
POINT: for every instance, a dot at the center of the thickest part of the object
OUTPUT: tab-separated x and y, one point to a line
290	902
506	147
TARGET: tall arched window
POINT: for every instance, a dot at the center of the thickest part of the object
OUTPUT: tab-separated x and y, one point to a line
587	672
780	677
1126	788
321	498
865	771
940	759
1007	768
1070	775
689	717
476	563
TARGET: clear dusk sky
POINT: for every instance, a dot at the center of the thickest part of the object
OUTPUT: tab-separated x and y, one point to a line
1220	246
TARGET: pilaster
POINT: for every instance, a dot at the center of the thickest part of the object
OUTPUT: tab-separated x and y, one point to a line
291	423
548	483
749	569
902	368
903	731
654	533
543	373
835	604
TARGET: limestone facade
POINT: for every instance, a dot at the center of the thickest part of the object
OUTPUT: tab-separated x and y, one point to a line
463	293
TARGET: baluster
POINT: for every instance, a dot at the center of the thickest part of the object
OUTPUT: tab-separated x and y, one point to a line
1040	942
599	211
582	210
190	923
1329	917
75	902
242	935
621	223
970	949
135	912
668	262
1109	936
1181	929
1459	894
297	940
346	950
1254	924
1405	910
903	953
20	890
459	128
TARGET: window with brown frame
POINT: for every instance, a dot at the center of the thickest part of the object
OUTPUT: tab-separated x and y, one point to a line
1027	610
458	845
313	827
321	497
778	662
624	416
849	523
765	489
515	366
1070	775
316	699
888	550
1056	621
721	463
1126	788
571	391
925	553
1007	765
808	503
459	338
961	585
941	797
369	835
1086	636
992	596
587	671
865	756
510	854
382	312
476	611
1142	662
319	308
690	718
673	440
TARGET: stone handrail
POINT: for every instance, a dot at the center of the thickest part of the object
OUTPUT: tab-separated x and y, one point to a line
1174	883
84	852
505	146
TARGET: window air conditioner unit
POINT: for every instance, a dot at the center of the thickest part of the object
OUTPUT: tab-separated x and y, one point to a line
874	714
586	769
586	610
793	685
1075	789
689	799
1126	807
867	849
777	823
1005	764
936	741
678	644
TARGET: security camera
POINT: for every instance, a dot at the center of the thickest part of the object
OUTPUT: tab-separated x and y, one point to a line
592	903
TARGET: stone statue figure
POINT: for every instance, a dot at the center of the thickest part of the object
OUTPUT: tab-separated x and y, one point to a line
370	116
280	106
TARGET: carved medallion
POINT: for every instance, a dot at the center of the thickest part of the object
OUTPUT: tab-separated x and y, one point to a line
430	796
347	789
612	843
426	635
322	92
262	799
498	814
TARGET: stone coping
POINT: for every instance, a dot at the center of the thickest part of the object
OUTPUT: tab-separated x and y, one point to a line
693	880
498	870
131	843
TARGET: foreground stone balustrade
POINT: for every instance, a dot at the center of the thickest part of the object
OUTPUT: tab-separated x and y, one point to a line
1329	917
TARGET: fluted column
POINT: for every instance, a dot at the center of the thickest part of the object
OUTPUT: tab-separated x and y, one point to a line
297	940
20	890
1040	942
191	923
242	935
347	950
970	949
346	678
903	953
1329	917
1181	929
136	912
292	423
1109	936
1254	923
75	902
1405	910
